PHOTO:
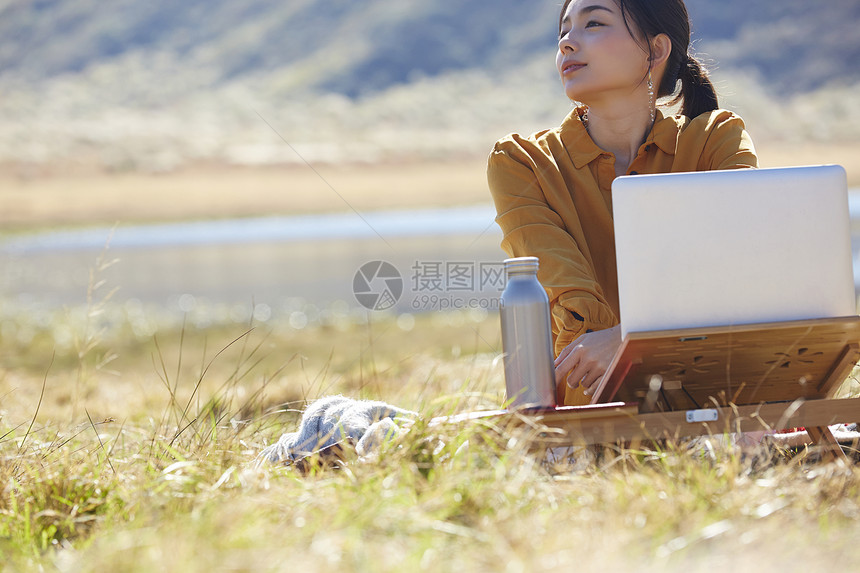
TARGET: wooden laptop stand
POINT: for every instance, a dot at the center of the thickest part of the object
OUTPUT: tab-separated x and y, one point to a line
675	383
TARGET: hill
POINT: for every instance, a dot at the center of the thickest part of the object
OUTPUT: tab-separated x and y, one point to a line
356	47
122	80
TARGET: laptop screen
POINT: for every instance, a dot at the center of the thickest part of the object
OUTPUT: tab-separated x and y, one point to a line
718	248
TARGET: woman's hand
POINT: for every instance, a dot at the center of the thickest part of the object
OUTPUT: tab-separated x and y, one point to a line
585	360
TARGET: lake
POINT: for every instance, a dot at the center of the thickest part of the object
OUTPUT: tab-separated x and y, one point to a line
445	259
402	260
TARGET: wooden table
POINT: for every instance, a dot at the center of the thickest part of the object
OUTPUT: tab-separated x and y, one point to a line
678	383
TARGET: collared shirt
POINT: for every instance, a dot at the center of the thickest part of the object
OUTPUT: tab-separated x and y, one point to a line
553	199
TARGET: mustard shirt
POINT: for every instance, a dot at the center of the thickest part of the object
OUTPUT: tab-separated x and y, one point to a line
553	200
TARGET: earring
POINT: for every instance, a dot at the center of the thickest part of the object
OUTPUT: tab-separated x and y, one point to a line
651	105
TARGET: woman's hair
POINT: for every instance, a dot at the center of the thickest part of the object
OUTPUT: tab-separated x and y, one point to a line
653	17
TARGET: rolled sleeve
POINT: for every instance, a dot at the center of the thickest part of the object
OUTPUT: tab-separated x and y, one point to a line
531	227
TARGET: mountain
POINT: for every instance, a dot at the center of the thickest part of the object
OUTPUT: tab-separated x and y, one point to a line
354	47
191	79
348	47
793	46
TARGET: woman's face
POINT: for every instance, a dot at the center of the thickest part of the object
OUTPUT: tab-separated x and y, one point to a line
597	58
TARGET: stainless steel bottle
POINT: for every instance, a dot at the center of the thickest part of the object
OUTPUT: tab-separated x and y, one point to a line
526	336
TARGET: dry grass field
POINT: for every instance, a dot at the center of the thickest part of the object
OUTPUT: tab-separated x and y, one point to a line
79	195
125	454
128	440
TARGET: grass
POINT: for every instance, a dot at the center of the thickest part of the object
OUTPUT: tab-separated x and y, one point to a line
154	467
129	436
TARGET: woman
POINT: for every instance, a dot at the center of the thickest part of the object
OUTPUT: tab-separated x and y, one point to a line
552	189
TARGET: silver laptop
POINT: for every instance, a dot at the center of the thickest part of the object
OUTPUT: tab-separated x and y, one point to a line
718	248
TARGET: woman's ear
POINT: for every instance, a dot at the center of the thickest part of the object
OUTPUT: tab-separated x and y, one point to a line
661	47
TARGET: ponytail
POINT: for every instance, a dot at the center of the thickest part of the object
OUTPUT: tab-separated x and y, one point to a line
648	18
697	91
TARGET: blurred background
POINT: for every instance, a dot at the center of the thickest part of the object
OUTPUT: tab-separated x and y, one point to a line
154	86
233	161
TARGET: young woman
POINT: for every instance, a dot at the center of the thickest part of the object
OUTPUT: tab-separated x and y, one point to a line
552	189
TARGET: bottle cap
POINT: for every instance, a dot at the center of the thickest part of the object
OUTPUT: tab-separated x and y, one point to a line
522	265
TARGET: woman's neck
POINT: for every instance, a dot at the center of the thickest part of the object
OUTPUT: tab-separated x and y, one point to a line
619	132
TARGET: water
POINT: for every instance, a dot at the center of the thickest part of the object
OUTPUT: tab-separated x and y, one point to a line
272	261
381	225
446	259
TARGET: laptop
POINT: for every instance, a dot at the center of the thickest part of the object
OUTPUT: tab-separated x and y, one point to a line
732	247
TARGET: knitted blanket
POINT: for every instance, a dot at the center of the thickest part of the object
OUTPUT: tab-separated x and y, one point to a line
330	423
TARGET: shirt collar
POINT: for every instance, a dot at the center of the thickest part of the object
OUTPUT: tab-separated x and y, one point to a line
664	133
582	150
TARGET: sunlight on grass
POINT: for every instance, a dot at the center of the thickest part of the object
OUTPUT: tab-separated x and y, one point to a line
155	469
